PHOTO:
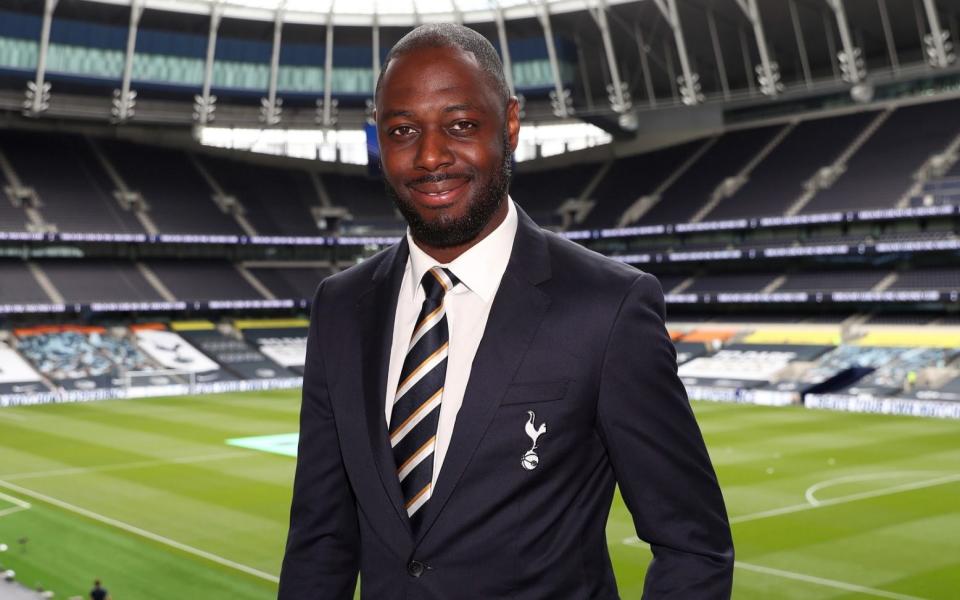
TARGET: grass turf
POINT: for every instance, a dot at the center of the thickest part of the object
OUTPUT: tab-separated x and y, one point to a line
146	495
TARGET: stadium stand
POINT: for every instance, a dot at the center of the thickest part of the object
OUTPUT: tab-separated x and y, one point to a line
541	196
80	357
366	202
16	374
179	199
880	173
276	201
204	280
12	218
745	365
234	355
929	279
735	282
170	351
291	282
80	181
18	284
670	282
777	182
631	178
731	153
84	282
282	341
832	280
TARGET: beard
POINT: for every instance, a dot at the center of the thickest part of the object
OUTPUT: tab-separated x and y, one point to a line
446	231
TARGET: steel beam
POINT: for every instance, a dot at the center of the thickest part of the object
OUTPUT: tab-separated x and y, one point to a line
851	63
642	48
327	118
204	105
801	44
689	81
617	92
768	72
559	97
718	54
888	35
271	106
504	48
124	99
745	52
38	90
937	42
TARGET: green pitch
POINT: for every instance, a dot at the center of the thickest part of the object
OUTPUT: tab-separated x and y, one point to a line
148	496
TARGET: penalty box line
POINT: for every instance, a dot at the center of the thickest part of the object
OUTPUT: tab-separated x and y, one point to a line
140	532
895	489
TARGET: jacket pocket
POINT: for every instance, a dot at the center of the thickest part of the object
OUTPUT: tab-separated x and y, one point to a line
535	391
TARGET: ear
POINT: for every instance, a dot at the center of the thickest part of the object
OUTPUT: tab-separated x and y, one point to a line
513	122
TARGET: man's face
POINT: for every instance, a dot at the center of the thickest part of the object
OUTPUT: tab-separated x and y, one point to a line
446	139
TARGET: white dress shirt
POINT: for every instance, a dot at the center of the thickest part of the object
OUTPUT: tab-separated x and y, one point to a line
479	270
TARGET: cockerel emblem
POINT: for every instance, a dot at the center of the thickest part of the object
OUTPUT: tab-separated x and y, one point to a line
531	459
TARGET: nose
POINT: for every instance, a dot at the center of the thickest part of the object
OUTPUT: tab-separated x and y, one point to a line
433	151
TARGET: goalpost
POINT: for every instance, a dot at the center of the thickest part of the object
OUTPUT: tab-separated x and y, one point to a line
159	382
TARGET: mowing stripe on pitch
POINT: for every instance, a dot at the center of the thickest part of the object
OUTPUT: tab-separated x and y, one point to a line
128	465
140	532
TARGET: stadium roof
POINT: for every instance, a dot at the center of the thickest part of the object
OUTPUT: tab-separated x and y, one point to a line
366	12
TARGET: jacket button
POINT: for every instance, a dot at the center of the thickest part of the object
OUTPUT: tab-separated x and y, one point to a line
416	568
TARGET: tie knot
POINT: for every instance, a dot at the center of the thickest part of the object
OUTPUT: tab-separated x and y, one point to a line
437	282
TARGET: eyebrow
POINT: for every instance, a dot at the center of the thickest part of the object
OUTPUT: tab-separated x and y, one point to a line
399	112
459	107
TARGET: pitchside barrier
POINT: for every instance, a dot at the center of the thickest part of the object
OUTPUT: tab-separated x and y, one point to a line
140	391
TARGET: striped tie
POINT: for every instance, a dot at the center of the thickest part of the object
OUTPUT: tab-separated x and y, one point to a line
416	405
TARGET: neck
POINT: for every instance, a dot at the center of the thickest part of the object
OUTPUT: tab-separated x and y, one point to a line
448	254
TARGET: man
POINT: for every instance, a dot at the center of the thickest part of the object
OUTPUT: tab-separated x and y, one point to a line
99	592
473	394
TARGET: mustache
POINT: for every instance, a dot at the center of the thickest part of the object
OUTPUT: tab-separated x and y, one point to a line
436	178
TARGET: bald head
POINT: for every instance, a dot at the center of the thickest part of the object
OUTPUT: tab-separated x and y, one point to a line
449	35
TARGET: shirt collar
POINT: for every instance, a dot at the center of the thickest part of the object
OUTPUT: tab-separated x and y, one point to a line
481	267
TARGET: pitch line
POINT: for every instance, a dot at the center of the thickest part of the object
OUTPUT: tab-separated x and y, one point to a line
811	497
840	585
896	489
18	505
122	466
833	583
141	532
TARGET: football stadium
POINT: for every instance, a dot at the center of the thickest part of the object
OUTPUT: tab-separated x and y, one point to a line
177	178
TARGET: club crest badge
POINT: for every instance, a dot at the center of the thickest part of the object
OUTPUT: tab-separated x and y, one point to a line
531	459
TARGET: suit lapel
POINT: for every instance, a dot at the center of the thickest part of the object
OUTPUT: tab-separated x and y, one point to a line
518	309
377	308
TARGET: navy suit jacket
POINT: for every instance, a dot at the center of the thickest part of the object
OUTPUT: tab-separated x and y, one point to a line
572	336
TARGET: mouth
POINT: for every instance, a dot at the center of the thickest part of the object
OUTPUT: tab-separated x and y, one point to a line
439	194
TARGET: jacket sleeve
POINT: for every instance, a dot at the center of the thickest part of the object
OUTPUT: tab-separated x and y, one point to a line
658	455
323	544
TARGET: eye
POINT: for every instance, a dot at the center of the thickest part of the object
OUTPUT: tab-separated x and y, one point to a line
462	126
402	131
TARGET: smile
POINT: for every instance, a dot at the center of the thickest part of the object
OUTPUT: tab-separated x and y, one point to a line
439	194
